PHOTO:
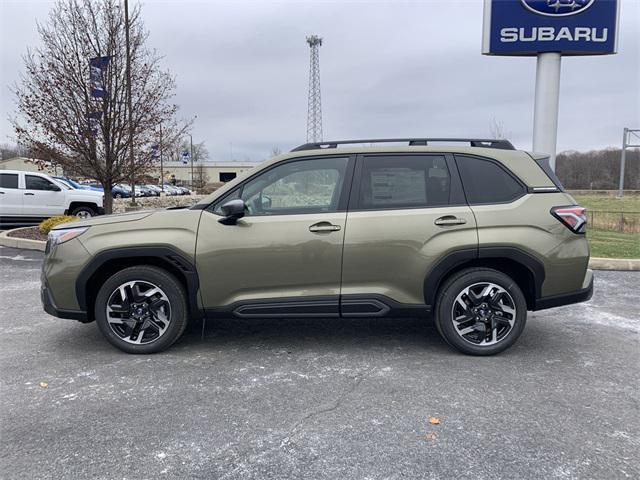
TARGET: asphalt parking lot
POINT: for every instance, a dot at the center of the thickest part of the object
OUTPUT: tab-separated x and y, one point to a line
320	398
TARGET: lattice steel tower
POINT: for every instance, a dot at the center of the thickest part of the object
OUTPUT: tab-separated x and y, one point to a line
314	111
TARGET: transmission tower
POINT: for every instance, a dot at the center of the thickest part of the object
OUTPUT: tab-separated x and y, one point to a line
314	111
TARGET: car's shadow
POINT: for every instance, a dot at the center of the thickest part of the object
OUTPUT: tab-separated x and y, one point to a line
327	334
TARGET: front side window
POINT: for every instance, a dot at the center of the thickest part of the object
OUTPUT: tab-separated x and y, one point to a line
404	181
486	182
34	182
8	180
298	187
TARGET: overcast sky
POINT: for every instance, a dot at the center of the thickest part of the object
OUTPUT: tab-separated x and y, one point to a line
387	69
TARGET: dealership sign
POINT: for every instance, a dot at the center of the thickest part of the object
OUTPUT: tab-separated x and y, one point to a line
569	27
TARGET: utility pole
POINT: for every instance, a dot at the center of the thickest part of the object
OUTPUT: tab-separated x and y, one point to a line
314	107
626	143
129	106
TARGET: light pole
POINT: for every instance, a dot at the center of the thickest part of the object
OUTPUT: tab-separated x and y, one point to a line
129	107
161	162
191	156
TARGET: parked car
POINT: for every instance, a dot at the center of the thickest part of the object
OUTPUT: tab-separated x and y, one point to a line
151	191
474	236
27	198
121	191
154	188
171	189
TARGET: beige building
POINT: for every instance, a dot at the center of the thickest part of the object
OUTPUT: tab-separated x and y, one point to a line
204	172
24	164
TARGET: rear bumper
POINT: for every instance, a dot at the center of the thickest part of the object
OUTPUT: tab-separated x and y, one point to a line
582	295
50	307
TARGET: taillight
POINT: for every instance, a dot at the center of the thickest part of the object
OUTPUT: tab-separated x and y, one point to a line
572	217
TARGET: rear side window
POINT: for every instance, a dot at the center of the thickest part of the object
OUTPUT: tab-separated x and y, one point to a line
487	182
8	180
404	181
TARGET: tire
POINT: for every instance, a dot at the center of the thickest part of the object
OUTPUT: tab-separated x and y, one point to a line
492	322
84	212
161	317
118	195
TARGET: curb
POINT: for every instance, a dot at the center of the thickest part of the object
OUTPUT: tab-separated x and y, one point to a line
595	263
622	264
24	243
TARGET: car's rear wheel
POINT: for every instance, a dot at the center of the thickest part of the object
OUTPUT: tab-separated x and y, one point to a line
83	212
141	309
481	311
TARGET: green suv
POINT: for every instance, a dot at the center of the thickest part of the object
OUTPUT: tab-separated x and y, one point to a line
474	236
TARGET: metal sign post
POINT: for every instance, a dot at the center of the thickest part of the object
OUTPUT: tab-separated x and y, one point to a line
545	109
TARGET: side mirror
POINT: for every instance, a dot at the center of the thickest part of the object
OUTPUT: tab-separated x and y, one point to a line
232	211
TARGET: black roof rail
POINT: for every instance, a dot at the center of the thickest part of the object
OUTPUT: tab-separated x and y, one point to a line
474	142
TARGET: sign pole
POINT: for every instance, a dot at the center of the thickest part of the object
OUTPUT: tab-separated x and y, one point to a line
545	110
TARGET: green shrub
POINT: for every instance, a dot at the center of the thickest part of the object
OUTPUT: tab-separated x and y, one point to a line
46	225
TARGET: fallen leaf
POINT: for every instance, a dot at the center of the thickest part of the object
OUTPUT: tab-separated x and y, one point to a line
430	436
434	420
44	385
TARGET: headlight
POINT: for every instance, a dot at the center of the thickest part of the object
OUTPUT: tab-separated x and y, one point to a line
56	237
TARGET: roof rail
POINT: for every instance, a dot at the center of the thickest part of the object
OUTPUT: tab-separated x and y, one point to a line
474	142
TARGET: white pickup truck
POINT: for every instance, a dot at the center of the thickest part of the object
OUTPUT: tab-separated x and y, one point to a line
27	198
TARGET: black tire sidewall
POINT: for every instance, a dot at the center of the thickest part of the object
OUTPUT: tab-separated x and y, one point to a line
454	286
171	287
91	211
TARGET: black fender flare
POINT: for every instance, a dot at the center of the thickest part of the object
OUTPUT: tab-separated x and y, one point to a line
454	259
170	255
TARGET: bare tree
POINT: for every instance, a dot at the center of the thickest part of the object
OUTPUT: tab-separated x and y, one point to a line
275	151
497	130
60	120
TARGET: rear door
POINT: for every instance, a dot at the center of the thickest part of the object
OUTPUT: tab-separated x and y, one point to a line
10	195
406	211
42	197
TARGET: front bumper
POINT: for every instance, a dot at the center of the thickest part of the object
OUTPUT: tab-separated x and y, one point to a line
582	295
50	307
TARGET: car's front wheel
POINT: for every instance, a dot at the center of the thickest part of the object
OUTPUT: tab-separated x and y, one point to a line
141	309
83	212
481	311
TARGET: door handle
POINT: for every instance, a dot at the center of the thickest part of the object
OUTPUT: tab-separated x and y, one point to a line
449	220
29	194
324	227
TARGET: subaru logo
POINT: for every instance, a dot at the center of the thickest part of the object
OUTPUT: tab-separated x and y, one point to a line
557	8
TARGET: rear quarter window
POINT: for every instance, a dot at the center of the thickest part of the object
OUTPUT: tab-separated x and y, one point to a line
8	180
486	181
543	163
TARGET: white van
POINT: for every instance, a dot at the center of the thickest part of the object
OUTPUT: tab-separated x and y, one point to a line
27	198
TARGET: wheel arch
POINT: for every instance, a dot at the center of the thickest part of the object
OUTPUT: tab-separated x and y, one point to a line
108	262
74	205
525	269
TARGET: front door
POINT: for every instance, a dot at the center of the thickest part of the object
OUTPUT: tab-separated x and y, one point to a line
284	257
407	211
42	197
